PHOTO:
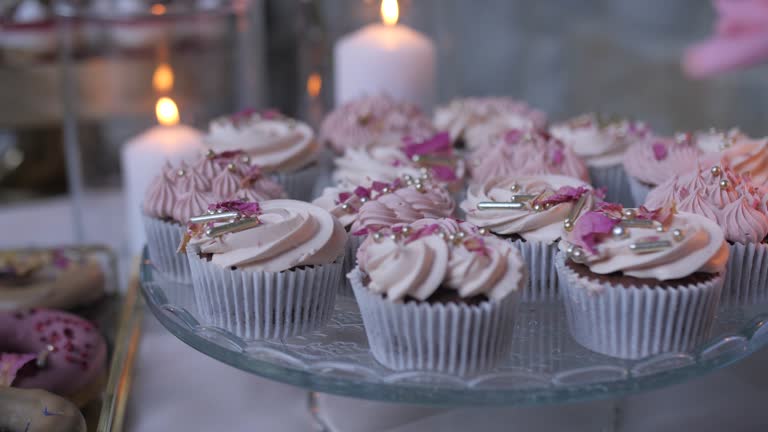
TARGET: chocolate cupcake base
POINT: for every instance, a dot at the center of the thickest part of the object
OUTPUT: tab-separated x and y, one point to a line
452	338
631	318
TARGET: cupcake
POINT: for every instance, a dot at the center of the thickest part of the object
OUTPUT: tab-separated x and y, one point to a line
284	148
373	121
265	270
743	155
601	144
435	302
637	283
367	210
530	211
473	122
654	160
738	206
432	157
178	193
515	153
714	140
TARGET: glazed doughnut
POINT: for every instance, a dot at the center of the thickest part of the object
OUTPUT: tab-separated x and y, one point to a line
51	350
50	279
23	410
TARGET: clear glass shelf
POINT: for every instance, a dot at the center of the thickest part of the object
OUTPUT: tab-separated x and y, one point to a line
546	365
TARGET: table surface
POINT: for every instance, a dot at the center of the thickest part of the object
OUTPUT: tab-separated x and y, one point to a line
177	388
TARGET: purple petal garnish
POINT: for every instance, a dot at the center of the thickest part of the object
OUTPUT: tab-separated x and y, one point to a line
378	186
611	209
590	226
513	136
344	196
444	173
423	232
565	194
659	150
362	192
438	143
246	208
477	245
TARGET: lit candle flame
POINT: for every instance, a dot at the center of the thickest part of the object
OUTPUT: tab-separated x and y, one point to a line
162	79
157	9
166	111
314	84
390	12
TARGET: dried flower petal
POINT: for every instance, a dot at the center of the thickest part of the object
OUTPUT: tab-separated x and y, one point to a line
477	245
423	232
362	192
589	227
438	143
659	150
613	210
564	194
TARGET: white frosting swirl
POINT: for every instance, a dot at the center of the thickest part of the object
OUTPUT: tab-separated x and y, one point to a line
599	145
478	120
545	225
416	267
276	143
292	233
700	248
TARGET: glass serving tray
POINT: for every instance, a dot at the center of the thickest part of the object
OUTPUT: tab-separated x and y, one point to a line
546	365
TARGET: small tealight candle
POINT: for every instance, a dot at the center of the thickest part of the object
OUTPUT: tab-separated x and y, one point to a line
385	58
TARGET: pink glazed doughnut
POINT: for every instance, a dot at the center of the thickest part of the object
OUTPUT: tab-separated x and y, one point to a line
66	353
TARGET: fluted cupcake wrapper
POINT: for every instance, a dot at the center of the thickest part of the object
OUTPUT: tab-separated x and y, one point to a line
350	261
614	179
633	322
300	185
746	277
265	305
448	338
163	239
639	191
543	282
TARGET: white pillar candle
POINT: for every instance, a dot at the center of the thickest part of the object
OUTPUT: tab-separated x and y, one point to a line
390	58
143	157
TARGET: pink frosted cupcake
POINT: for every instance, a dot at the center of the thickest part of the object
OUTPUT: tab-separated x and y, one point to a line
738	207
367	210
744	155
462	290
265	270
653	161
637	283
373	121
516	153
431	158
473	122
601	144
530	211
284	148
179	193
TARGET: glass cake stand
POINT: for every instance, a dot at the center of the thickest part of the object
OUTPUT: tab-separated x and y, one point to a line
546	365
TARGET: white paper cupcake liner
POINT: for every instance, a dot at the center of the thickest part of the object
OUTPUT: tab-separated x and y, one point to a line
746	278
350	261
614	179
265	305
633	322
300	185
543	282
639	191
163	239
448	338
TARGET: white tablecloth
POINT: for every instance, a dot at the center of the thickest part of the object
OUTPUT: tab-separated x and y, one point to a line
179	389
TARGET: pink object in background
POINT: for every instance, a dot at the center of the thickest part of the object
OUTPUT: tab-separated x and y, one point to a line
740	40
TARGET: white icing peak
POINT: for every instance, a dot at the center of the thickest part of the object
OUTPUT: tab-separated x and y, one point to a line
414	262
597	141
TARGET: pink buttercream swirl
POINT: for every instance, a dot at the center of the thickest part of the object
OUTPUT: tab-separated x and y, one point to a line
289	234
374	121
656	159
516	153
719	194
417	262
216	177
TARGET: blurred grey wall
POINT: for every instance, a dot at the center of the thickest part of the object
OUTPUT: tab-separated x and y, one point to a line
570	56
